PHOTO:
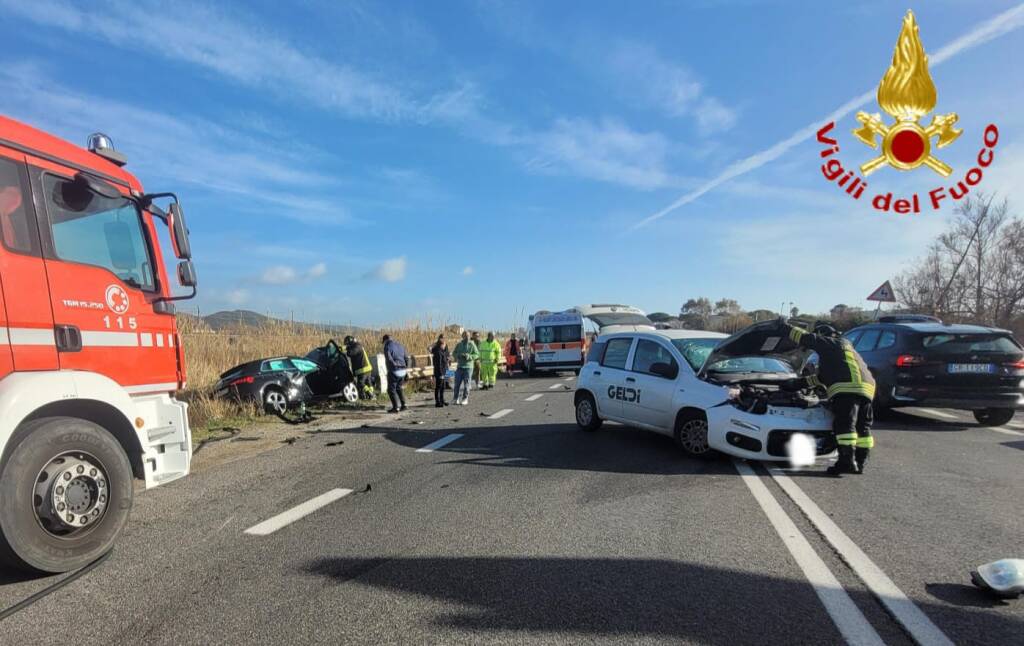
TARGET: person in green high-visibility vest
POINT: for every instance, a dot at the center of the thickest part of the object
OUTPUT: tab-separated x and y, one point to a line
490	355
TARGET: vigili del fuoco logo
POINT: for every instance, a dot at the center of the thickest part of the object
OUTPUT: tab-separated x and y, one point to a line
907	93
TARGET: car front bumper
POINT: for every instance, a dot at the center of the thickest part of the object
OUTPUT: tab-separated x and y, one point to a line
764	437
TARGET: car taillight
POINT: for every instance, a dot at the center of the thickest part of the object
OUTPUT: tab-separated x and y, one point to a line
1016	365
908	360
242	380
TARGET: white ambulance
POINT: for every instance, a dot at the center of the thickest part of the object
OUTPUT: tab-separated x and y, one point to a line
554	341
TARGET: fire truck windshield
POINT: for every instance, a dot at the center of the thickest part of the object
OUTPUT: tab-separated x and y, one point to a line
91	229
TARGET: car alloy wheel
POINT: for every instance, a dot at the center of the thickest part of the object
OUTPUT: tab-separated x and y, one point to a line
275	401
693	436
351	393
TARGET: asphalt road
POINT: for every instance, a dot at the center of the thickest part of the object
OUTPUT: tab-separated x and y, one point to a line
526	530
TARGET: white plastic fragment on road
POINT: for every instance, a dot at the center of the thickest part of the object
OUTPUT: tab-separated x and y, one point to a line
283	519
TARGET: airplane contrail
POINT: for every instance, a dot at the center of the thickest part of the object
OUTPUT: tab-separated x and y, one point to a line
992	28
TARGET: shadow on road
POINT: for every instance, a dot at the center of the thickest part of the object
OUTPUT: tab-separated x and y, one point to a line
897	420
632	598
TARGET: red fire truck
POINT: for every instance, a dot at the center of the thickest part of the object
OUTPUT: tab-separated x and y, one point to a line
89	351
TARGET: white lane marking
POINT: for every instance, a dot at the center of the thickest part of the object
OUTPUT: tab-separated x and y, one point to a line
533	398
501	413
847	617
914	621
939	413
568	378
447	439
553	386
1005	431
1017	425
271	525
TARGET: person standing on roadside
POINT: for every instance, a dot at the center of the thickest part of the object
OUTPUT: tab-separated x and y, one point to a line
490	354
466	354
397	362
439	359
511	354
475	338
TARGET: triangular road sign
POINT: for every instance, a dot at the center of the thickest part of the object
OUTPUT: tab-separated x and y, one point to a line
883	294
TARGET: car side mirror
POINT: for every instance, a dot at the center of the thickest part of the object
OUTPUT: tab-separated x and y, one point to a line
187	274
666	370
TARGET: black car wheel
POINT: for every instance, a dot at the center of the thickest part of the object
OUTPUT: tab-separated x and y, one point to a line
586	413
692	435
994	416
274	401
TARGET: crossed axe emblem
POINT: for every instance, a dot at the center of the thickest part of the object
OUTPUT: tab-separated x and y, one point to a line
905	144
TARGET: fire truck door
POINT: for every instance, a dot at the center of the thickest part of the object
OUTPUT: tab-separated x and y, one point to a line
26	328
101	270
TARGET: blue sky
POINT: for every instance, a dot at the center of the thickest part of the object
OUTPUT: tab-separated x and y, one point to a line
468	160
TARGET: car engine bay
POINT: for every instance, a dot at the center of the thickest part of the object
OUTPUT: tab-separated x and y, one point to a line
756	398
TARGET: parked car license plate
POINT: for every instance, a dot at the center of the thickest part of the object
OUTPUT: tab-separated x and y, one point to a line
958	368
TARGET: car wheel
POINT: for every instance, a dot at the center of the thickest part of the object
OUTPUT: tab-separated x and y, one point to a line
692	435
586	413
994	416
274	401
67	494
350	392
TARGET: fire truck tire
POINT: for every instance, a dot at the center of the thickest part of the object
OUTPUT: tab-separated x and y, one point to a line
68	464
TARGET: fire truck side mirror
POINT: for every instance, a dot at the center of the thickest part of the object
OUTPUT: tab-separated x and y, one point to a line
187	274
179	234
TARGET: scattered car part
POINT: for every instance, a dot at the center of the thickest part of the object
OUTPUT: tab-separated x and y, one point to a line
1004	578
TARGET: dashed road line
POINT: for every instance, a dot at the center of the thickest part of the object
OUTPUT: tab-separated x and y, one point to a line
447	439
568	378
271	525
501	413
899	605
847	617
939	413
553	386
1005	431
533	398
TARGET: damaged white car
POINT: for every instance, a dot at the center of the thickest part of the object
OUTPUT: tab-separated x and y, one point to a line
708	391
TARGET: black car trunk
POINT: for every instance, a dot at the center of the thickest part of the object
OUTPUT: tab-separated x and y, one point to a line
963	362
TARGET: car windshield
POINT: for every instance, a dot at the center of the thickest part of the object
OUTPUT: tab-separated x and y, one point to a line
696	351
619	318
750	364
969	343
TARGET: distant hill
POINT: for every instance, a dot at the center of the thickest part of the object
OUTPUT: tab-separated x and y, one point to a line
235	319
239	318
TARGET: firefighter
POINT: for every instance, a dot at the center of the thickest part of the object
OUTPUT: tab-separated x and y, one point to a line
362	370
490	354
477	380
850	388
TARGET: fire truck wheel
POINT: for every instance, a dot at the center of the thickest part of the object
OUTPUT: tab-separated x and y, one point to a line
67	491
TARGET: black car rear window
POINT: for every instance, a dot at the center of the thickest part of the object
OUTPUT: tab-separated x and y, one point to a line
596	353
968	343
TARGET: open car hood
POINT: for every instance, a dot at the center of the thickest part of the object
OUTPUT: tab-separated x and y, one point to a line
765	339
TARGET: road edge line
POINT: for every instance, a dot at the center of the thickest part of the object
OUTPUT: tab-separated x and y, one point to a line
436	444
849	620
899	605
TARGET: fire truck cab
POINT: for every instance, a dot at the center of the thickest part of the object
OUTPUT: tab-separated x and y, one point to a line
89	351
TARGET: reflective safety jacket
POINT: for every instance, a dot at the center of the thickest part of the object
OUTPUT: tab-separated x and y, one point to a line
490	351
840	369
358	358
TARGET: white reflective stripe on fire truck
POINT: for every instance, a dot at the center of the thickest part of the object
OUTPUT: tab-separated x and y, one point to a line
29	336
3	335
146	339
95	338
152	388
159	340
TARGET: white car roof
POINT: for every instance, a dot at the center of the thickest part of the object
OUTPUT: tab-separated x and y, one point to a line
675	334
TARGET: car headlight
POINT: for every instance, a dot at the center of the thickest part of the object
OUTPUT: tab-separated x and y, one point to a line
1004	578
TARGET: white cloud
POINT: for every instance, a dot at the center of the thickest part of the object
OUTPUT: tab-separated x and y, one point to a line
231	45
999	25
317	270
286	275
181	149
608	151
237	296
645	77
389	271
468	270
